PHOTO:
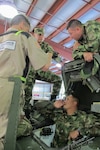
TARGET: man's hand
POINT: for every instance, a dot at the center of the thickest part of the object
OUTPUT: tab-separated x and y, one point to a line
88	56
58	103
73	134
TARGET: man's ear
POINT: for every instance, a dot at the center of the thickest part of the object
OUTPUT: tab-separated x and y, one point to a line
75	102
78	28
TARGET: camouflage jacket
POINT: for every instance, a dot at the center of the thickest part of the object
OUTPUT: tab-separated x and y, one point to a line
86	124
47	48
90	42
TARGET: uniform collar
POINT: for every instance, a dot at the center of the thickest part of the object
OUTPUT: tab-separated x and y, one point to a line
74	114
83	38
10	29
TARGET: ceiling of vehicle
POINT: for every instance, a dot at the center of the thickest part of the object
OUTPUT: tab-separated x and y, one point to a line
54	15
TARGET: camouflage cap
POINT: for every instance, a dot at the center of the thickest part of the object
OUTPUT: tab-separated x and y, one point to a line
39	31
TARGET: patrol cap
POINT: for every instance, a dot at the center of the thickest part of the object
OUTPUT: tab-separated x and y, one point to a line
39	31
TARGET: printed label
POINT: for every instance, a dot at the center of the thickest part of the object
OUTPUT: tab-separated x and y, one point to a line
10	45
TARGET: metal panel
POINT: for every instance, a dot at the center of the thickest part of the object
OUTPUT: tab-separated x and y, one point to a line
61	36
68	10
23	5
89	15
69	44
40	10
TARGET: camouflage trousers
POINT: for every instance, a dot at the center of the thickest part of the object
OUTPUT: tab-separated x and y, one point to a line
24	127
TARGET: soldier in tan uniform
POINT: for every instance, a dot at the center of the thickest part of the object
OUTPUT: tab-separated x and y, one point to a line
16	54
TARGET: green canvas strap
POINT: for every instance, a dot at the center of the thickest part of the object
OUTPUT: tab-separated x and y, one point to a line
21	78
10	137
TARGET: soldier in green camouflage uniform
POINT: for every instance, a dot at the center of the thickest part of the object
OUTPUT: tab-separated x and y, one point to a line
87	43
88	37
41	75
70	122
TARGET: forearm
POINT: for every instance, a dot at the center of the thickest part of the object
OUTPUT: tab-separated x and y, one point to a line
91	47
48	64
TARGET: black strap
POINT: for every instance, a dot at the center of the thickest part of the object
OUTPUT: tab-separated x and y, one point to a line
26	69
8	33
24	33
13	117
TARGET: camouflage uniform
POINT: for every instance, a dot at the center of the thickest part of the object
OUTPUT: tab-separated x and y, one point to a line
24	127
90	42
44	76
47	48
49	76
86	124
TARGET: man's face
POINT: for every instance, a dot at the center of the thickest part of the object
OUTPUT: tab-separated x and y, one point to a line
75	33
39	37
69	102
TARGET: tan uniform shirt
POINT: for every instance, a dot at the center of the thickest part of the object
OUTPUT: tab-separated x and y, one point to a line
13	51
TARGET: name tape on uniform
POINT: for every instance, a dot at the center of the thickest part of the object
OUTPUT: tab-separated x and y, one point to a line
10	45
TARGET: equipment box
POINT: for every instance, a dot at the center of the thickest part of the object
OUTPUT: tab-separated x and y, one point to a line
88	90
42	90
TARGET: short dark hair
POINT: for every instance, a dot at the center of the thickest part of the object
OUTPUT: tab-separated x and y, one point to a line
75	96
73	23
19	18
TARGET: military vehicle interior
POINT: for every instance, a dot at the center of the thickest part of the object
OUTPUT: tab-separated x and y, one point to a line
89	100
87	90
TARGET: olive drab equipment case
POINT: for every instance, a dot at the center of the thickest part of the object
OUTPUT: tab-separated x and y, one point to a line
87	89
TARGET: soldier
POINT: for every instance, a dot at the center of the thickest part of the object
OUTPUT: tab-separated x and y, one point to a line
87	43
41	75
70	122
88	37
16	54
